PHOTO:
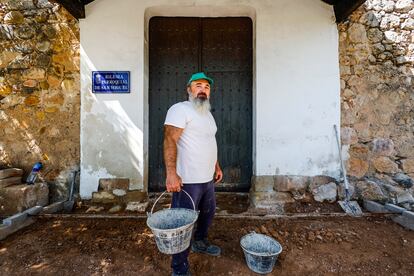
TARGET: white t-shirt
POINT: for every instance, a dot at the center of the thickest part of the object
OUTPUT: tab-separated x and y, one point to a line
197	146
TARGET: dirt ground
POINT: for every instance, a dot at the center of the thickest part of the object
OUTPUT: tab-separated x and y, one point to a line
322	246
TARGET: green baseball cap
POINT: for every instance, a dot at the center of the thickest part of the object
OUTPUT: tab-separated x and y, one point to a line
200	76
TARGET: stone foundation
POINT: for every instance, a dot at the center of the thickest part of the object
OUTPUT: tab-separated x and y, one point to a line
272	192
114	194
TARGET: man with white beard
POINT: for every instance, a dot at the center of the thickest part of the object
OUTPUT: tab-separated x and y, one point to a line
190	156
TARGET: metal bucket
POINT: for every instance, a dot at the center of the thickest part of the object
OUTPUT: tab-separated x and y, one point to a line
172	228
260	252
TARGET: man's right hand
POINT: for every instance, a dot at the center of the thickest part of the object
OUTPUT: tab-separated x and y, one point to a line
173	183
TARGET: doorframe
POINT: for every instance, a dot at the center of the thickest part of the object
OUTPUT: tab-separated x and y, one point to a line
195	11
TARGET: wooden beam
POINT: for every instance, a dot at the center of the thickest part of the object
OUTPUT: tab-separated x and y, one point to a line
344	8
330	2
75	7
86	2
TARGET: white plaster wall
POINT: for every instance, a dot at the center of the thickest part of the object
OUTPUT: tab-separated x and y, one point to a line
296	85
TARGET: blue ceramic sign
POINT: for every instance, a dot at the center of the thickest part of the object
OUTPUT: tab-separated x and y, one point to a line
111	82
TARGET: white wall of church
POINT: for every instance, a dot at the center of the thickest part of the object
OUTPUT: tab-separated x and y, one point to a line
296	85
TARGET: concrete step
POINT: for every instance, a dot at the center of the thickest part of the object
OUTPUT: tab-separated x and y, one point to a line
17	198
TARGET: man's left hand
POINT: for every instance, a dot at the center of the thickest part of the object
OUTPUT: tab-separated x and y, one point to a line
218	175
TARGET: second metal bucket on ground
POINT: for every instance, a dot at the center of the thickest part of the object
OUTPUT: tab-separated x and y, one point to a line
260	252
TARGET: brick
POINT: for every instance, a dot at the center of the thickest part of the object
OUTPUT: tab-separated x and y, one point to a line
394	208
374	207
12	172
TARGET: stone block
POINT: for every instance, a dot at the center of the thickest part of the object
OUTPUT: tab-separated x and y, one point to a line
405	197
318	180
357	33
326	192
68	206
19	4
404	5
103	197
34	210
406	219
115	209
95	209
109	184
383	146
374	207
12	172
357	167
16	180
369	190
119	192
403	179
18	198
34	74
6	57
262	183
270	201
385	165
407	165
7	230
135	196
348	135
54	207
137	206
351	189
409	215
15	219
287	183
394	208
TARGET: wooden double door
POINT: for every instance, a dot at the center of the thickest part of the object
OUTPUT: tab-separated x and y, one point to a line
222	48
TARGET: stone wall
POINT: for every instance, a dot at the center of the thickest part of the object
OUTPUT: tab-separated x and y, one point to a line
376	64
39	89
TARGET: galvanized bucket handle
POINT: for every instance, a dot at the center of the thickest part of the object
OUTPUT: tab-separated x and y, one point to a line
155	203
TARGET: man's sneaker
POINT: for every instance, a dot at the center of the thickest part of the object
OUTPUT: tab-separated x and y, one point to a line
186	274
203	246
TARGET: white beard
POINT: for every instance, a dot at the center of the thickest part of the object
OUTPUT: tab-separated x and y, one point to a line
201	106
